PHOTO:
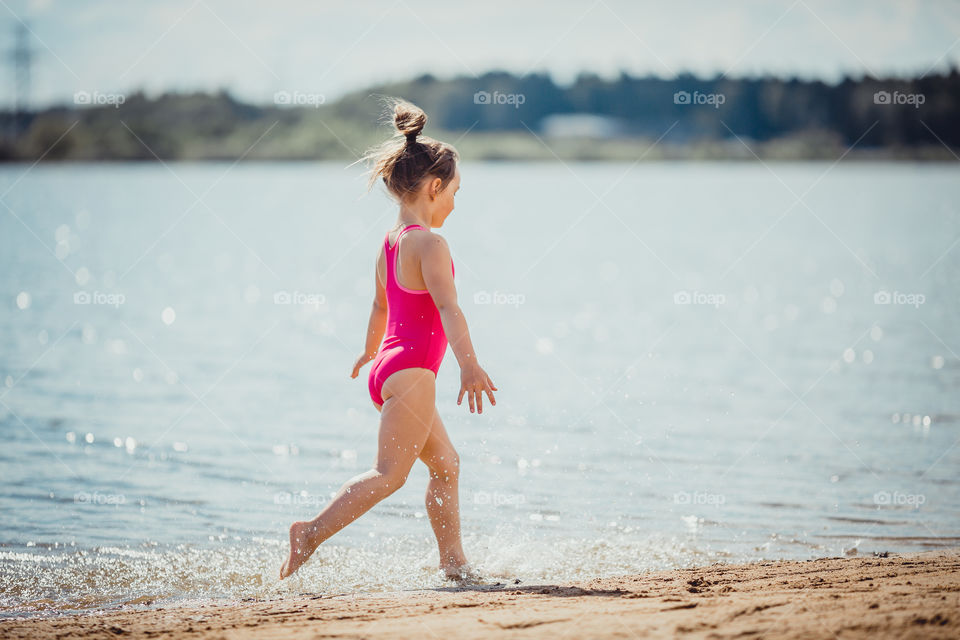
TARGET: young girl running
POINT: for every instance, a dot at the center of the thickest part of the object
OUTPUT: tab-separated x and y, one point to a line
414	313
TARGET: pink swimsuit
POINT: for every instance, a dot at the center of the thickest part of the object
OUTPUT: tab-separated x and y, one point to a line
414	336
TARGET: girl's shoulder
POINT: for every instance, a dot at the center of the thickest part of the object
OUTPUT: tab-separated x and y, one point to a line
429	242
418	243
424	238
418	232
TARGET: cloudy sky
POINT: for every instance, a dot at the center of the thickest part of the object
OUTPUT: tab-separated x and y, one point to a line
257	48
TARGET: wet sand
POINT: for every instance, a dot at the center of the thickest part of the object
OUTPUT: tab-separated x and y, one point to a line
913	595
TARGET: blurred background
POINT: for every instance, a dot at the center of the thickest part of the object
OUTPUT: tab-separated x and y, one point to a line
707	253
204	80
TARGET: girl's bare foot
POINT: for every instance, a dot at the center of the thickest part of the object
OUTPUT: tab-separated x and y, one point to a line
301	548
463	574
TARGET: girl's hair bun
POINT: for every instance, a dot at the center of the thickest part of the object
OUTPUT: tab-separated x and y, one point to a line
409	120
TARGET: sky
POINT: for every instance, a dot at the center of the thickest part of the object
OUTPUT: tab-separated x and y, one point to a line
255	49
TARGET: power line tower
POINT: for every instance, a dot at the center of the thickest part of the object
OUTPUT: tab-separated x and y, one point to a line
21	59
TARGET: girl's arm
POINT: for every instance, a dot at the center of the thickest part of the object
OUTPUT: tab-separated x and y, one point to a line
376	326
435	267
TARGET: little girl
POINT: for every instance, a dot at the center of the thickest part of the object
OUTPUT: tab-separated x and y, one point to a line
414	313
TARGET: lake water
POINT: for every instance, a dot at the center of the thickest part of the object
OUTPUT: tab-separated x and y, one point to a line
696	363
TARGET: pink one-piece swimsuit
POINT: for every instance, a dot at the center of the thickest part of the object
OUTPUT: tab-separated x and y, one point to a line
414	337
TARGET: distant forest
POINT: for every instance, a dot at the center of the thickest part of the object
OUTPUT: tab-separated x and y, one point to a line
504	116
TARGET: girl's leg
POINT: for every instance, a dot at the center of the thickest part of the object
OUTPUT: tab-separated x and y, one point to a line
405	423
443	500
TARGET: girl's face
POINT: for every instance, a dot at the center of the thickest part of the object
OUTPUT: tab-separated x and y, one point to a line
443	204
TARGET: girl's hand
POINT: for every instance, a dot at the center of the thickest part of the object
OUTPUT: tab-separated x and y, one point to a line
362	360
474	381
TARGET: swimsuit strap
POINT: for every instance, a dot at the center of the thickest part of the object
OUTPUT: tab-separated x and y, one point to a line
386	241
392	254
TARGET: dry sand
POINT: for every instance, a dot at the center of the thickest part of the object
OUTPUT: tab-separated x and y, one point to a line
899	596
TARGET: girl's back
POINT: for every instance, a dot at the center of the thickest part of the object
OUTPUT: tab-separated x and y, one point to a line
407	251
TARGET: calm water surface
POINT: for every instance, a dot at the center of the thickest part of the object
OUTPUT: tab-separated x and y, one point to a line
696	363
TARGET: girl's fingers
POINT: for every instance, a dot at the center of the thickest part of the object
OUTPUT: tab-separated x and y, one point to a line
475	393
489	388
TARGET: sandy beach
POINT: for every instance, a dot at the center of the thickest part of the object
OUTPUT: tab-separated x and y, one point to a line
914	595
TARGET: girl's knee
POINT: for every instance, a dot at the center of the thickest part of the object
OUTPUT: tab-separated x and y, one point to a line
454	470
449	469
454	461
393	479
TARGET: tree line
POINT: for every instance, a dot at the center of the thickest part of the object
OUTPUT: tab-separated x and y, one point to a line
872	113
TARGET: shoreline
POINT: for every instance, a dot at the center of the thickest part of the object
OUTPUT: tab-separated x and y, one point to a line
913	595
